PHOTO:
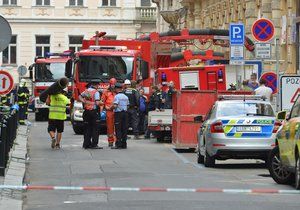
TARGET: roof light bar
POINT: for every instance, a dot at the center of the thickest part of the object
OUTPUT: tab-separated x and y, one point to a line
65	53
241	97
97	47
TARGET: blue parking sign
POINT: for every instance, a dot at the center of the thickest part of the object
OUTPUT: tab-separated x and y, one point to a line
237	34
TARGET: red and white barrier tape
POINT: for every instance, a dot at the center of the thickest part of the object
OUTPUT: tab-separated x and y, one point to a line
149	189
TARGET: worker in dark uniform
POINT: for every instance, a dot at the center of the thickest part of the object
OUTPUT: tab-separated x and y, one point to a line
91	100
155	103
169	94
3	100
23	100
121	103
134	99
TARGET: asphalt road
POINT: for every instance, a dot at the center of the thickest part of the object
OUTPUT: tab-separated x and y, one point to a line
145	163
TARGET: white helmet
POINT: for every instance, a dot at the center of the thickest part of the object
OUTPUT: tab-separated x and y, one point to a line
22	82
127	82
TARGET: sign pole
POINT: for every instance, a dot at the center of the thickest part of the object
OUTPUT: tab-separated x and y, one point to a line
278	105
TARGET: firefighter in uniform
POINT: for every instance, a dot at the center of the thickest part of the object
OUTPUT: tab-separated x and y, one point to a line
3	100
134	99
121	103
108	102
91	100
23	100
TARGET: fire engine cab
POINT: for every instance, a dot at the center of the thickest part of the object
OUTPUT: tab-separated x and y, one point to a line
44	72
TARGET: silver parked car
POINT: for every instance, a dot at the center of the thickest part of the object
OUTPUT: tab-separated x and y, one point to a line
238	127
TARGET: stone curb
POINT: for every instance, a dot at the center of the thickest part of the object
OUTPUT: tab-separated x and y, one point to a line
12	199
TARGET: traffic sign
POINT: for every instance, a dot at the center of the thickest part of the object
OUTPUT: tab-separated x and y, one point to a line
263	30
6	82
271	79
5	33
237	55
289	90
263	50
22	70
237	34
295	96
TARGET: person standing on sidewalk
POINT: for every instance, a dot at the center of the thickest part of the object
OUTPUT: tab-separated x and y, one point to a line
91	100
121	103
108	101
134	99
23	100
57	115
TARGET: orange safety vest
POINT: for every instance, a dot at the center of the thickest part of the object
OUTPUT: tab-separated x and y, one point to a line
91	100
108	99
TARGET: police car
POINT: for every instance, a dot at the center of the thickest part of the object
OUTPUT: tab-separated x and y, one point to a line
238	127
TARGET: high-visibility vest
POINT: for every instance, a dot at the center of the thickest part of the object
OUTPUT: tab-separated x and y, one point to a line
108	99
90	98
57	109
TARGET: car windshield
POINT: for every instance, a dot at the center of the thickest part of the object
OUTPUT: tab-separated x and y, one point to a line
105	67
244	109
49	71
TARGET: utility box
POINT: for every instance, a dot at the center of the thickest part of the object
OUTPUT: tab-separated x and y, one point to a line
188	104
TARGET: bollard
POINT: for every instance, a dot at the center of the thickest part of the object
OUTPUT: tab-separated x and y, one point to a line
8	133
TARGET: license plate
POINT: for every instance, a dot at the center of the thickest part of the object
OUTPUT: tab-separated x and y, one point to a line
248	129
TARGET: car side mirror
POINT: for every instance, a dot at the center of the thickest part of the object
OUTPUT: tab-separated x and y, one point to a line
281	115
198	119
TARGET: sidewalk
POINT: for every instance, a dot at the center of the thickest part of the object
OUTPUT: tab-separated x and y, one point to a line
12	199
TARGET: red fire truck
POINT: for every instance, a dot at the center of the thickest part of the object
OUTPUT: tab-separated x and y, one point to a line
44	72
101	59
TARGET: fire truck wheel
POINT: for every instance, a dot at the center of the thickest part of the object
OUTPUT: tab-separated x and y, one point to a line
38	117
160	136
78	130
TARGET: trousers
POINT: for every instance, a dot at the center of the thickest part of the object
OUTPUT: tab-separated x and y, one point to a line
22	113
121	126
110	126
91	132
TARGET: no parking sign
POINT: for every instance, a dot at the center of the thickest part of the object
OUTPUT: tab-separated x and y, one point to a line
271	79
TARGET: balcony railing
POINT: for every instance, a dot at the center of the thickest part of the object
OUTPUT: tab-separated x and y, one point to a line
146	13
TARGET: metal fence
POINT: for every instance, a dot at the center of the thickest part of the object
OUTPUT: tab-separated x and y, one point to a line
8	133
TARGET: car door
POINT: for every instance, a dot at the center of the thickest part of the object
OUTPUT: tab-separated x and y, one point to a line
294	126
289	131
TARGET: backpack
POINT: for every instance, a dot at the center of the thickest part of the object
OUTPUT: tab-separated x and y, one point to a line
142	104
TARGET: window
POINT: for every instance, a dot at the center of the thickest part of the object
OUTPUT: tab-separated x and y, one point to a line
42	2
42	45
145	3
245	109
10	2
105	67
111	3
76	2
75	43
9	55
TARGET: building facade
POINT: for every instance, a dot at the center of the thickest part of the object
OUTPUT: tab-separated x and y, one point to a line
219	14
40	26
